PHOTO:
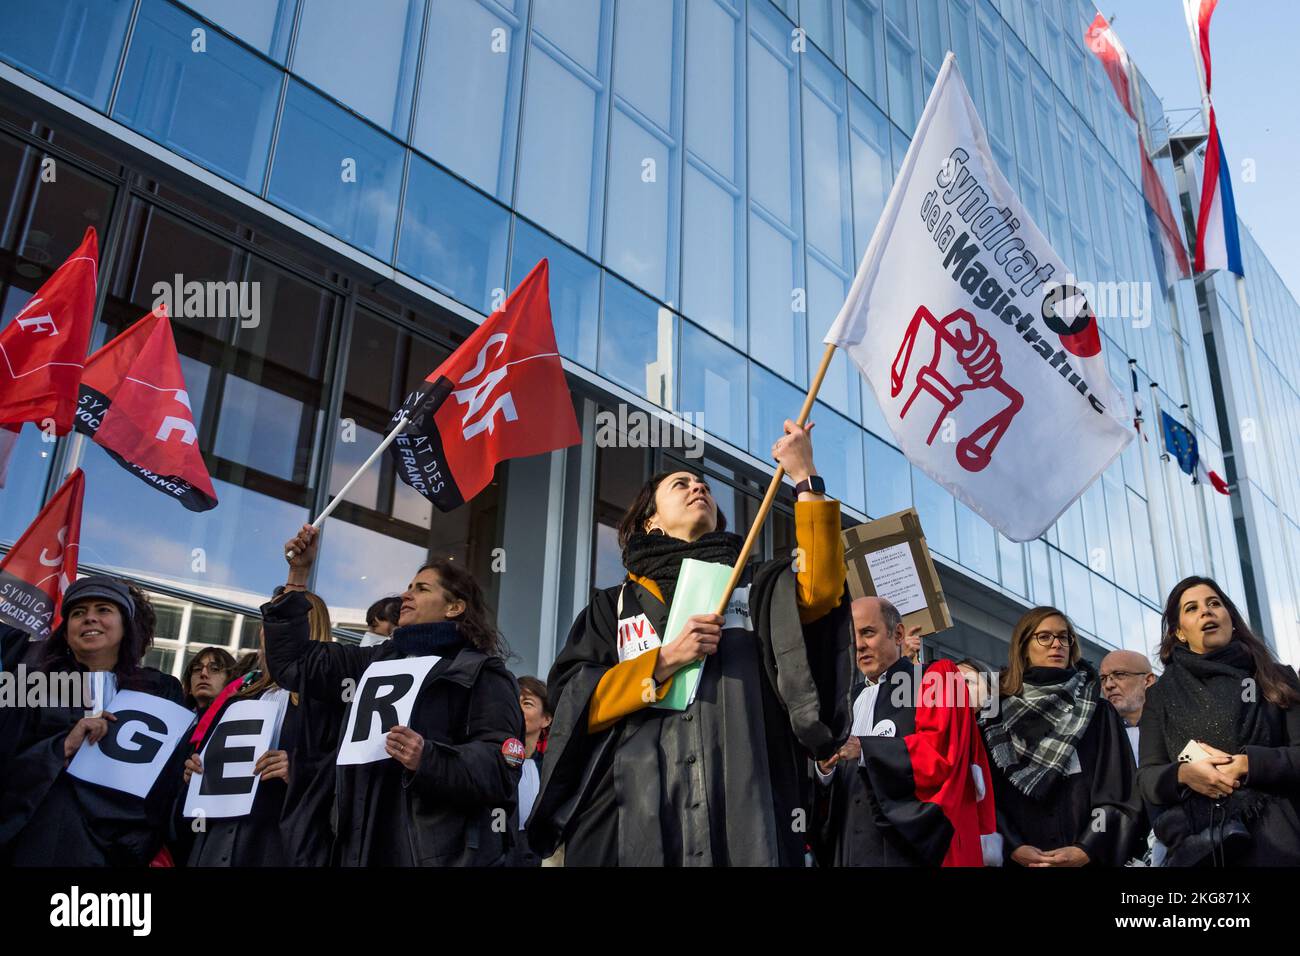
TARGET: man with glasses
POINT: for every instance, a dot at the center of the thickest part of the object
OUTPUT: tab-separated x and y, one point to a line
1125	677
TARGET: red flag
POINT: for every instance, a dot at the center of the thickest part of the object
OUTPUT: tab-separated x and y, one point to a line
43	349
1101	39
39	568
134	404
501	395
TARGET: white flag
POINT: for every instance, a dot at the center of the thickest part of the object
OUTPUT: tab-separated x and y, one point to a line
985	360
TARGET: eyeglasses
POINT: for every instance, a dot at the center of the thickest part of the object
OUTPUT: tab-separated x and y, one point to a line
212	666
1047	638
1124	675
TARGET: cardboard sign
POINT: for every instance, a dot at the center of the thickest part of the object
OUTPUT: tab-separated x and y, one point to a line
384	699
888	558
227	786
137	746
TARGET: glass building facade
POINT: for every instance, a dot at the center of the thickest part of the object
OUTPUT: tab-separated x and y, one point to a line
704	176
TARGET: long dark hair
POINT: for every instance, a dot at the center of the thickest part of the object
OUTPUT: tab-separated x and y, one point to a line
58	655
218	654
1013	675
475	622
1269	674
642	508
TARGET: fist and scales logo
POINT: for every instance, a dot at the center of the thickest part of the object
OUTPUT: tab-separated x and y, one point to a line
965	360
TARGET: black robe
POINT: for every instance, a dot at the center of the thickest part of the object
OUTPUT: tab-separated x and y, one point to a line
48	818
447	812
853	827
289	824
724	782
1097	810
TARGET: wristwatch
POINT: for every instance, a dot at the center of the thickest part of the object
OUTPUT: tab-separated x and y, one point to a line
812	483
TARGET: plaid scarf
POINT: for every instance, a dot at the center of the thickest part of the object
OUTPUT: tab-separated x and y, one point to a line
1036	732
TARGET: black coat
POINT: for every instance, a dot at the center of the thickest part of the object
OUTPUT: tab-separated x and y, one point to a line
724	782
48	818
1274	774
289	824
453	810
1097	810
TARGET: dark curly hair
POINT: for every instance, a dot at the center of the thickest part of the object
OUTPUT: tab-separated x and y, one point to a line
642	508
475	623
136	641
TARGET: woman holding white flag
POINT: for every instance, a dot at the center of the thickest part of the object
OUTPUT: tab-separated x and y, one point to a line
724	781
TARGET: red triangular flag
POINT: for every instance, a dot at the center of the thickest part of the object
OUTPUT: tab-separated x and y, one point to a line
134	404
43	349
501	395
39	568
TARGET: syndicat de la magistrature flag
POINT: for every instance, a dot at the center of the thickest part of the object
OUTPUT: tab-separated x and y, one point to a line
41	565
133	402
500	395
987	368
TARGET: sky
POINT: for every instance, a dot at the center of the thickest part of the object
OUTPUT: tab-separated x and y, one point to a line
1254	46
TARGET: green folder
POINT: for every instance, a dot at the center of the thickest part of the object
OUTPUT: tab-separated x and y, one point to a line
699	588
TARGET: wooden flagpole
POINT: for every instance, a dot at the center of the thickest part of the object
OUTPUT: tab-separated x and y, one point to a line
773	486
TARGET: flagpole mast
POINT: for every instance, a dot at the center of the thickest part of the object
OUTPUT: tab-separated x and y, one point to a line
1161	570
365	466
773	486
1175	514
1243	305
1200	498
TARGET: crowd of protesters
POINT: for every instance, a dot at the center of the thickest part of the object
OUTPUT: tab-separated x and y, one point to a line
813	734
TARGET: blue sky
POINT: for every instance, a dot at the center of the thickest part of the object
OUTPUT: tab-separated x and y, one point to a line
1256	101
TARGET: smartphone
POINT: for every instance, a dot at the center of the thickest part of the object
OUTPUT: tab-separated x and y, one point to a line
1193	751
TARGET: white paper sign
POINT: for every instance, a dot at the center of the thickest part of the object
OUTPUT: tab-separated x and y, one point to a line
893	574
980	347
227	786
137	746
384	699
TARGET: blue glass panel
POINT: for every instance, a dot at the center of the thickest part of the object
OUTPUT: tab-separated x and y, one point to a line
713	256
573	26
903	69
713	384
823	21
1011	555
771	402
827	288
338	172
637	342
773	117
73	45
938	516
263	24
639	181
1107	626
453	237
468	111
575	289
827	195
889	482
978	543
216	107
777	302
1078	595
643	56
711	86
865	46
1040	578
837	447
873	172
363	55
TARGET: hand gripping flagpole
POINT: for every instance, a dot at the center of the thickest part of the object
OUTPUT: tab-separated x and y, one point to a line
365	466
773	486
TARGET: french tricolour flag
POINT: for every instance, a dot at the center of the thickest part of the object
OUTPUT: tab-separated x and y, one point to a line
1218	245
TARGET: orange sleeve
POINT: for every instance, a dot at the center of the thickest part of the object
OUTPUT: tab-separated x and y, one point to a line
817	533
622	691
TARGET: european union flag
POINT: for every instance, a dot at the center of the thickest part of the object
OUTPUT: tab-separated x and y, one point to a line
1180	442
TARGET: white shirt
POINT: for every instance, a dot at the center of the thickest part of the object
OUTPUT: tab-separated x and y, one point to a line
530	783
370	639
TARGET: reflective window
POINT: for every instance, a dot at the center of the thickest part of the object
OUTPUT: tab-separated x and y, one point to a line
1107	626
837	444
641	184
827	288
337	172
73	45
713	384
362	54
264	24
823	22
216	106
713	210
453	237
771	402
1040	574
778	301
562	143
978	542
1011	557
902	63
933	17
873	174
467	115
865	46
938	515
574	286
889	482
637	342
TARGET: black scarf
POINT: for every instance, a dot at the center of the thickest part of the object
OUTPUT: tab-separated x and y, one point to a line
423	640
659	556
1202	695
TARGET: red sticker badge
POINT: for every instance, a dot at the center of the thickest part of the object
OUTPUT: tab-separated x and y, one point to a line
513	751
